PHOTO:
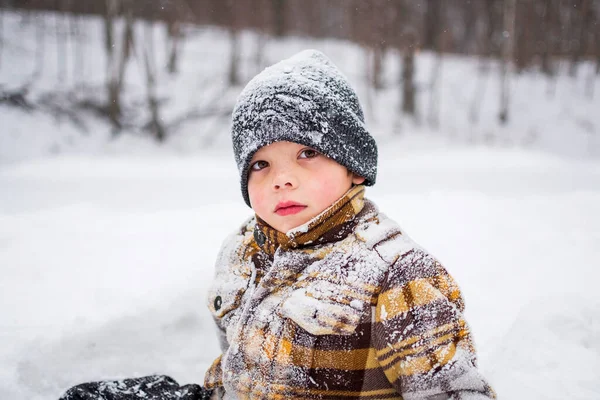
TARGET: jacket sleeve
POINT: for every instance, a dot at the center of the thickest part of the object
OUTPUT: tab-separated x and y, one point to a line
230	281
421	338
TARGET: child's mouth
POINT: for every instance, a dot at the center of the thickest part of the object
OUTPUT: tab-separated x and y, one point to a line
288	208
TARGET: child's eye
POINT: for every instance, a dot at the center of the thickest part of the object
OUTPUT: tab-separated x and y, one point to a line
258	165
308	153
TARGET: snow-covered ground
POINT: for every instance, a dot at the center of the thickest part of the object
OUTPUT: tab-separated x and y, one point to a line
107	246
106	261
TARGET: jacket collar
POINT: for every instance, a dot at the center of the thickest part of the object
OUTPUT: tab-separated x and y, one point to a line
333	224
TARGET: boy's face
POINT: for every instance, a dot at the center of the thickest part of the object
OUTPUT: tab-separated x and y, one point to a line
289	184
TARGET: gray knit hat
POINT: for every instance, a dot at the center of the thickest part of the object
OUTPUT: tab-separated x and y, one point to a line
304	99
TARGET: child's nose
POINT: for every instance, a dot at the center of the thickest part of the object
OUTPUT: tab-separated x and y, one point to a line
288	185
284	179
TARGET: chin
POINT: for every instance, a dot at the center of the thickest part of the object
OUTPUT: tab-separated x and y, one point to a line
288	225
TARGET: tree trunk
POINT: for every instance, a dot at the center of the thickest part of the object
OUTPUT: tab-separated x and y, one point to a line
494	24
155	125
368	66
41	44
1	33
78	58
597	54
483	76
234	57
114	103
434	102
259	54
597	46
524	38
408	86
127	43
438	48
432	23
174	35
546	35
591	83
581	14
507	55
470	32
378	53
278	17
61	43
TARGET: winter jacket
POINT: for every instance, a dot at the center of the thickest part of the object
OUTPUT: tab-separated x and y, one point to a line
343	307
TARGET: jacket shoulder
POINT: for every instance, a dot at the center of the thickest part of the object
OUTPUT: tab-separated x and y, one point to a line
237	246
406	262
383	235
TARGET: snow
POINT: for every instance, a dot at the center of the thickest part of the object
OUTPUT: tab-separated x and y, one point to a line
106	264
107	245
565	122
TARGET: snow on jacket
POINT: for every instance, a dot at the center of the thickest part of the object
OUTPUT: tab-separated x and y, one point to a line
343	307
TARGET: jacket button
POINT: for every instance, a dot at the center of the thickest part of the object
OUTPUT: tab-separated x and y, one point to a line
259	236
218	303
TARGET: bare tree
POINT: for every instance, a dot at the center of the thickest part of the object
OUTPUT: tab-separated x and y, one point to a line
580	19
524	37
279	22
61	41
405	37
116	62
480	87
379	13
591	36
488	50
174	35
259	53
433	29
470	27
507	56
368	66
408	73
551	36
493	22
234	39
377	60
263	21
155	125
362	34
1	33
597	40
234	57
546	34
40	49
78	49
127	43
114	105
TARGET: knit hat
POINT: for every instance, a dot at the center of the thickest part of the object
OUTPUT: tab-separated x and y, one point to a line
304	99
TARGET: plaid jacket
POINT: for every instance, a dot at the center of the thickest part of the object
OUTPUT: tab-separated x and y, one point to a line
344	307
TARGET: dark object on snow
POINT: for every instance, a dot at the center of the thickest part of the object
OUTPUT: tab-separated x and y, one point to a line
155	387
304	99
16	98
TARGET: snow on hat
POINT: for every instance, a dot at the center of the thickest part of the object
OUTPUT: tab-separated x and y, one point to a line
304	99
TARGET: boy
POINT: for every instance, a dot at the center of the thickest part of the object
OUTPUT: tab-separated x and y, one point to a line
319	295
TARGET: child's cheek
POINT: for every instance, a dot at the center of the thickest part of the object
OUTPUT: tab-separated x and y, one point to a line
323	189
257	200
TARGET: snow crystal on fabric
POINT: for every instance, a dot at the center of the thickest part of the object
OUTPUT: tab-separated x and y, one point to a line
297	309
